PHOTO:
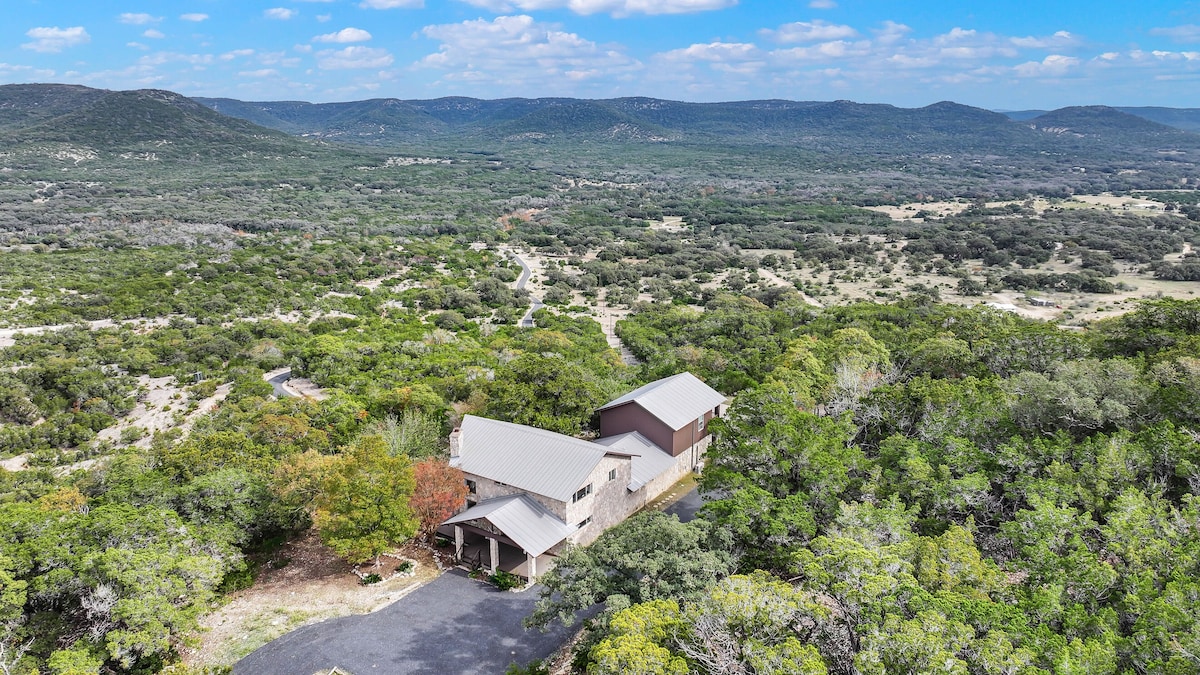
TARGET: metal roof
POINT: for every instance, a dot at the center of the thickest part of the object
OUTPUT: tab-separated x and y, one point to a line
649	460
521	519
534	460
676	401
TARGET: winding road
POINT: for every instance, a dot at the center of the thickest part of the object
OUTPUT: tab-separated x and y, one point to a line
535	303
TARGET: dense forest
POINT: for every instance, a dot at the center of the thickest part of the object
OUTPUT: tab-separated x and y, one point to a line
919	471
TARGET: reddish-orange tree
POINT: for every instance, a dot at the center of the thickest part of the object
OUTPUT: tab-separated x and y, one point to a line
440	493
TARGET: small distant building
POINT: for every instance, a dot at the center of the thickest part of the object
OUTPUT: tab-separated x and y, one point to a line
1041	302
534	491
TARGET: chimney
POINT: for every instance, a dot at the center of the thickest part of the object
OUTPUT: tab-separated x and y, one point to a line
455	442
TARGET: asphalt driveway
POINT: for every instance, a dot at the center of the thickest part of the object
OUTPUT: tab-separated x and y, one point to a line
449	626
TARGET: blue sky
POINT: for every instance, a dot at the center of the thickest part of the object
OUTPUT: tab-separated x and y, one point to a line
998	55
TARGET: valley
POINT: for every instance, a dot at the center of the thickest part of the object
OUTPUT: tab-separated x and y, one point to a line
949	336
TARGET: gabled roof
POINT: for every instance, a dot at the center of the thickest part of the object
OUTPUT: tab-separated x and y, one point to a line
533	460
675	401
521	519
649	460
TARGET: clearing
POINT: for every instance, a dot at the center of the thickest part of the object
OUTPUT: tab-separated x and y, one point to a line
303	583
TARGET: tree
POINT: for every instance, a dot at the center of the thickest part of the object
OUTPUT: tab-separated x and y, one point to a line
440	491
547	392
362	508
651	556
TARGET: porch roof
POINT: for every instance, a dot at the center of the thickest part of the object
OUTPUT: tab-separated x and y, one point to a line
533	527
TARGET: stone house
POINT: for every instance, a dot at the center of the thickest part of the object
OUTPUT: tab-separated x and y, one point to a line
534	491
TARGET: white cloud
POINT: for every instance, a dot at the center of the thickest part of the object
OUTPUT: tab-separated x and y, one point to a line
263	72
722	52
519	53
324	17
1052	66
822	4
809	31
138	18
353	57
154	34
48	39
279	13
236	53
344	35
392	4
1189	32
1059	40
138	45
617	8
195	17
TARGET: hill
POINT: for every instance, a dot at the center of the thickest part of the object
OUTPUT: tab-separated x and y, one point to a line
83	124
836	126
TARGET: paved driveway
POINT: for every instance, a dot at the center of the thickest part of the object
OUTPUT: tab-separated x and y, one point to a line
449	626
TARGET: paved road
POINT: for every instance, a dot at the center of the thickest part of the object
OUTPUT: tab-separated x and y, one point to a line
535	303
451	625
277	384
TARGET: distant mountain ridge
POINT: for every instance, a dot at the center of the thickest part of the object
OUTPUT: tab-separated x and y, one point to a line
147	124
820	125
1185	119
157	124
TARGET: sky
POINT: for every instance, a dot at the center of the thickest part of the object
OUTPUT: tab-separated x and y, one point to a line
996	55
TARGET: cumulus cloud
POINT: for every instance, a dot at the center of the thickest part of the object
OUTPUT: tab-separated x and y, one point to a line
344	35
154	34
195	17
822	4
52	39
353	57
1188	32
138	18
519	52
1054	65
617	8
392	4
262	72
236	53
809	31
279	13
1059	40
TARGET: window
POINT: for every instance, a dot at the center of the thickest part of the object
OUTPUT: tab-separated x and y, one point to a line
583	492
612	474
584	522
470	486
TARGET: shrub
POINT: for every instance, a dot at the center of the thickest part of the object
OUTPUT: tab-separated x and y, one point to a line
371	578
505	580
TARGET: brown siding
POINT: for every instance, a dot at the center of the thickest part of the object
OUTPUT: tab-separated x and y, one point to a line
633	417
683	438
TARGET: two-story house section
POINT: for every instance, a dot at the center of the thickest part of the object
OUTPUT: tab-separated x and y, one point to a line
533	491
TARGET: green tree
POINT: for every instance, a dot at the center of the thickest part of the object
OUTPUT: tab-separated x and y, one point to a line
362	508
547	392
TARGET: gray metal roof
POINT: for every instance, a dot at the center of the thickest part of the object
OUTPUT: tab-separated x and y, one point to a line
676	401
649	460
521	519
534	460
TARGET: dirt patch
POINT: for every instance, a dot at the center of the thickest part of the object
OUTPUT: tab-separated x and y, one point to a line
312	586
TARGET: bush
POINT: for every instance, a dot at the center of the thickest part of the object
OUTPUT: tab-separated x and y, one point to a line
371	578
405	567
505	581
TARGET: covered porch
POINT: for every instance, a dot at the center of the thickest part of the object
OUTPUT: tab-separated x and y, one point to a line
510	534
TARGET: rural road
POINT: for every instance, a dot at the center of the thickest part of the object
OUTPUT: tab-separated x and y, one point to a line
535	303
452	625
276	378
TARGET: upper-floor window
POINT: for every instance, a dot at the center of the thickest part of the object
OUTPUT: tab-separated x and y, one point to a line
471	486
581	493
584	522
612	474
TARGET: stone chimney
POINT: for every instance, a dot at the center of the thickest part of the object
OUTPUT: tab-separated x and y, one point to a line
455	442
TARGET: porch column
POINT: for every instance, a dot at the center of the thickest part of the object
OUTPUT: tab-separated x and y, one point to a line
458	543
495	553
532	559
